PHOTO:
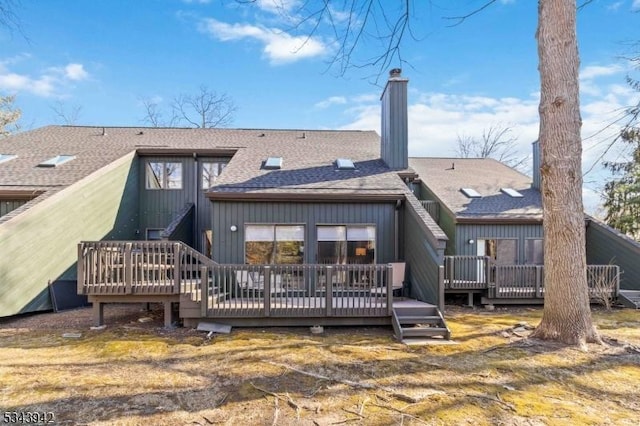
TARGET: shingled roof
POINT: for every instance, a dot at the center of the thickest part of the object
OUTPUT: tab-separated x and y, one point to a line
308	166
446	176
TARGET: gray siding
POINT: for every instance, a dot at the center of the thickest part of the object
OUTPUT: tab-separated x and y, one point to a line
158	207
446	220
521	232
423	258
7	206
394	127
607	246
228	247
40	244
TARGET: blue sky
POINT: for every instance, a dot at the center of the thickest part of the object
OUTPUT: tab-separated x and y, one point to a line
102	57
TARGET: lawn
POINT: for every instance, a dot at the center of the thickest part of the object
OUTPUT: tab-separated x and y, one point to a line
136	372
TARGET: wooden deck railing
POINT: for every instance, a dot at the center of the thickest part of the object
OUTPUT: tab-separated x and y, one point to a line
467	272
172	268
299	291
138	267
433	208
527	281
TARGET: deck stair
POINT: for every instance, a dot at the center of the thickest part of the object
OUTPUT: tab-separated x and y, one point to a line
412	324
630	298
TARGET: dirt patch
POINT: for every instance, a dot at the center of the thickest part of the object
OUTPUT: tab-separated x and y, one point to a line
138	372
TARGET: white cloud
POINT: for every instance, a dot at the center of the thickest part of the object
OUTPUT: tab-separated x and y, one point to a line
277	6
49	83
75	72
614	6
635	6
197	1
436	119
333	100
279	46
594	71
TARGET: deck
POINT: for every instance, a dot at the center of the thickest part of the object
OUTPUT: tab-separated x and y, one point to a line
517	283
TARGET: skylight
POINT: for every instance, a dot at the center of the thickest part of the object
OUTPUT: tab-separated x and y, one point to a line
273	163
511	192
345	164
470	193
56	161
7	157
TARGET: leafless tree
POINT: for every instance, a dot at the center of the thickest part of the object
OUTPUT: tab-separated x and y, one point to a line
496	142
67	115
567	315
207	108
9	116
8	16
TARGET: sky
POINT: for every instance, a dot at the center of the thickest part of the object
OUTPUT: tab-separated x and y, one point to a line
98	61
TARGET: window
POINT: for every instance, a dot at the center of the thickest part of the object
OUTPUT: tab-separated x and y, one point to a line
503	252
534	251
269	244
154	234
470	193
210	172
346	244
207	242
511	192
56	161
164	175
7	157
273	163
345	164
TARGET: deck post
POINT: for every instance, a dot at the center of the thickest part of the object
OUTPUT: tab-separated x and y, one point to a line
538	282
452	271
168	313
80	272
176	268
204	291
328	292
267	291
128	268
389	285
98	313
441	289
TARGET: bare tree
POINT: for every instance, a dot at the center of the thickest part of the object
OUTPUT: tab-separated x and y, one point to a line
67	115
206	108
9	116
567	315
8	17
496	142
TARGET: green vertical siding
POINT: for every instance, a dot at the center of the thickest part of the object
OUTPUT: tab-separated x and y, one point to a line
446	221
9	205
606	246
40	244
520	232
228	247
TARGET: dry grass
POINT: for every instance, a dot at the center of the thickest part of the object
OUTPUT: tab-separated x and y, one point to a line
138	373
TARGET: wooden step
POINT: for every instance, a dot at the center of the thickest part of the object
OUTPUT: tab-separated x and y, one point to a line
419	319
424	331
408	311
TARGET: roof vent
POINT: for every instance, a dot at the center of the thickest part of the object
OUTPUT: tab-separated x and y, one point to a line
470	193
7	157
57	160
345	164
273	163
511	192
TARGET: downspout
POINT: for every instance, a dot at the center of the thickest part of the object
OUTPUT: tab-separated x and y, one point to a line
196	223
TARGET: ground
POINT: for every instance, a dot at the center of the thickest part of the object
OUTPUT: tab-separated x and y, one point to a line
136	372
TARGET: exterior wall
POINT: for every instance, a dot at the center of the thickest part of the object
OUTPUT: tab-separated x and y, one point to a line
394	127
40	244
228	247
447	220
521	232
7	206
158	207
605	245
424	254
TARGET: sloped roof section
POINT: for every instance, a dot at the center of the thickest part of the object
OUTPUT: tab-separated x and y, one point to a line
445	176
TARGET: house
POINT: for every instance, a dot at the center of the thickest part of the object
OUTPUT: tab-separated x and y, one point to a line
250	226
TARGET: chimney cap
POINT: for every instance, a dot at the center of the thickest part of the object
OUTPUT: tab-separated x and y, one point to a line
395	72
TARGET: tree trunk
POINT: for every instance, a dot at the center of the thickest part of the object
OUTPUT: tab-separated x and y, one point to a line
567	314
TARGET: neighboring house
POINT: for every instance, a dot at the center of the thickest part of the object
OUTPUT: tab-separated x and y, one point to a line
253	226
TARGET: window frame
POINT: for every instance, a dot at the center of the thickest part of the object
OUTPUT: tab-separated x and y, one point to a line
220	165
274	249
165	178
526	251
346	243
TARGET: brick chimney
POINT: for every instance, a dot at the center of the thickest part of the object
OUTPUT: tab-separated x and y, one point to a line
394	149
